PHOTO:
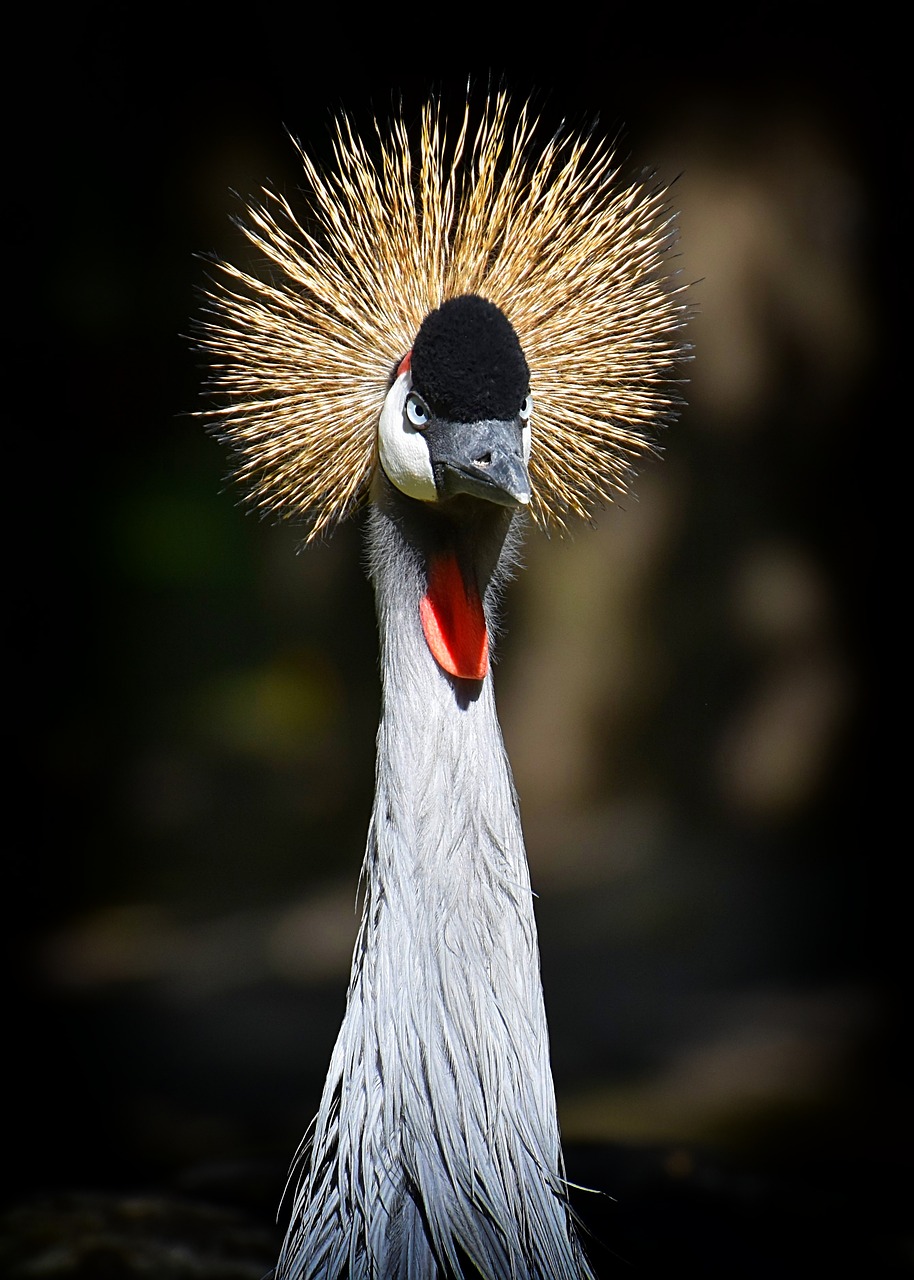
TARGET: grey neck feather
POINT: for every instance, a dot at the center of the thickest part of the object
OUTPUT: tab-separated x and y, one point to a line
435	1152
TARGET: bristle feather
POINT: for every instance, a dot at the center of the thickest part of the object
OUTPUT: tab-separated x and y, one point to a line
301	359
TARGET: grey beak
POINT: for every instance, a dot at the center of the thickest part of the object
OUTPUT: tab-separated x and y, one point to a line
484	459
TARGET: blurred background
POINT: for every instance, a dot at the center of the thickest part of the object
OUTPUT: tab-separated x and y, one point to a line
687	692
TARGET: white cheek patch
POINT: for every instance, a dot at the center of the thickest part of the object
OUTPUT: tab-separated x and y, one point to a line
526	438
403	450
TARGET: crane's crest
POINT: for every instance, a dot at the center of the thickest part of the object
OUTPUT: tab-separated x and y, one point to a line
302	356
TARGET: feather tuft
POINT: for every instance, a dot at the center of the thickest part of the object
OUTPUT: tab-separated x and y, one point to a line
302	355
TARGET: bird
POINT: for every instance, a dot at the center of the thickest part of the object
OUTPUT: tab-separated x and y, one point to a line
472	329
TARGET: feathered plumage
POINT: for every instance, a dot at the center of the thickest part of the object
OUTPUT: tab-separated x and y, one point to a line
302	357
435	1152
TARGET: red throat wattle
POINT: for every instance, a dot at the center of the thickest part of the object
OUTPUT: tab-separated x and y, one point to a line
454	622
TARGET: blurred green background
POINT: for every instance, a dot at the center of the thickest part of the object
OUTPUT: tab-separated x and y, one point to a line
687	692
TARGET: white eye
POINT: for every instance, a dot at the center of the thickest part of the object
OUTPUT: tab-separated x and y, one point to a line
527	407
417	410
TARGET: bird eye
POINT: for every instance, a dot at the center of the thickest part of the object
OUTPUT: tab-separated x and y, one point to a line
417	411
527	407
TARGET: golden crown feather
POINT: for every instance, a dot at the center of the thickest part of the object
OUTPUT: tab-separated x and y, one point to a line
302	355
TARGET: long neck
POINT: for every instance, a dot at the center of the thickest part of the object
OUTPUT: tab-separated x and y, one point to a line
436	1149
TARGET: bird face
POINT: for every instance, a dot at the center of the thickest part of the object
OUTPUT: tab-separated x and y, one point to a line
457	418
433	458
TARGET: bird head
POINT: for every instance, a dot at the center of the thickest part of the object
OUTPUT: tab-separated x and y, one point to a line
502	265
457	418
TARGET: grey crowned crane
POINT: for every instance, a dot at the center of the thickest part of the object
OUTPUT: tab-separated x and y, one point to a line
465	333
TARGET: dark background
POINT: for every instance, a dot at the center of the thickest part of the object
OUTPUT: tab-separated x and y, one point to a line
688	693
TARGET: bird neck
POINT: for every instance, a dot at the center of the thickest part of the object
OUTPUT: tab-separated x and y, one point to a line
445	798
436	1151
439	568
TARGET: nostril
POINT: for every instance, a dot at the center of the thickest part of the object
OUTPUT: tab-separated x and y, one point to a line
484	460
